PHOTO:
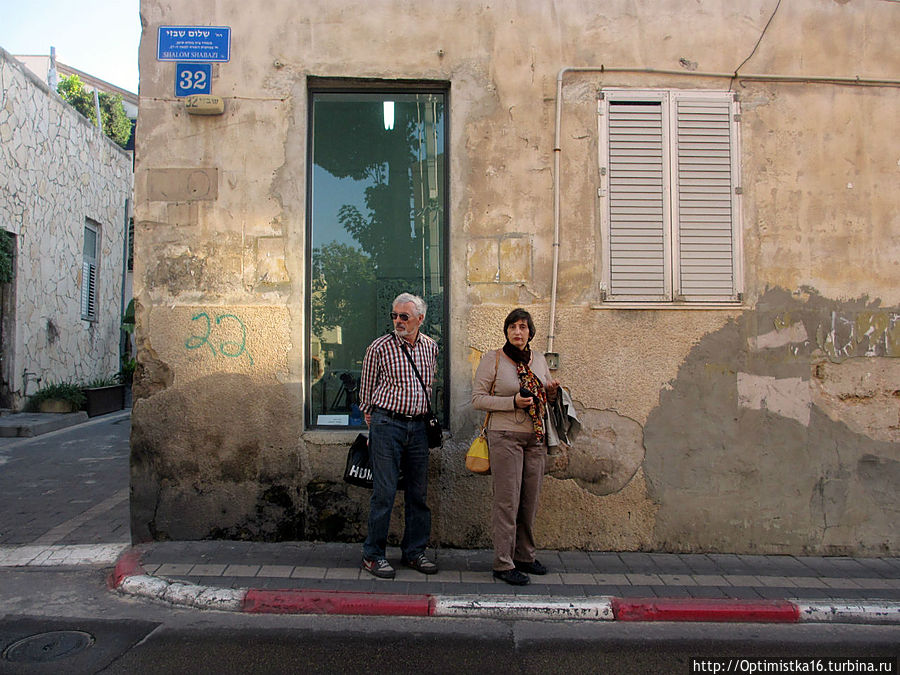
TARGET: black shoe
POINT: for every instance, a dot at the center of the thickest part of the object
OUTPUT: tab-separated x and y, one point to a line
514	577
422	564
534	567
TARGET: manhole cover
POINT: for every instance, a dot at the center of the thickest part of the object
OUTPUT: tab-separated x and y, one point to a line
50	646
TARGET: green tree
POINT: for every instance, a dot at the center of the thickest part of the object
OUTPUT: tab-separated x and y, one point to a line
116	124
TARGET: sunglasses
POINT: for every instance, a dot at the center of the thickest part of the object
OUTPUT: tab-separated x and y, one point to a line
403	316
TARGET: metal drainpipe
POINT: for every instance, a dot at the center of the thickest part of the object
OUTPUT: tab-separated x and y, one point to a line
97	111
857	81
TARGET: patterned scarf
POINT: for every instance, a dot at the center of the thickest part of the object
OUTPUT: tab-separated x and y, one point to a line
529	381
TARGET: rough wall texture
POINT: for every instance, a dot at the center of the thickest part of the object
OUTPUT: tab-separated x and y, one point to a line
56	171
766	426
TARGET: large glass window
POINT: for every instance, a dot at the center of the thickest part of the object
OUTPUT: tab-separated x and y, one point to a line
377	223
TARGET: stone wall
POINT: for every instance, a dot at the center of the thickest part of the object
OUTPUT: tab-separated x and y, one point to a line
57	171
769	426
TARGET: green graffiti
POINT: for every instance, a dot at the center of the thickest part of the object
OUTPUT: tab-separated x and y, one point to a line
229	348
241	347
197	341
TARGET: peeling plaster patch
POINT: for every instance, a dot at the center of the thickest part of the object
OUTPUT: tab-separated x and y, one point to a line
880	476
732	471
779	338
862	393
788	397
607	453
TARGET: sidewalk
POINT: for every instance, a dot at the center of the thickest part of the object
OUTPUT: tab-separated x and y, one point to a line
325	578
28	425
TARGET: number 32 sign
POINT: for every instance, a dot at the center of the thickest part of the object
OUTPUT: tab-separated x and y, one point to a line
192	78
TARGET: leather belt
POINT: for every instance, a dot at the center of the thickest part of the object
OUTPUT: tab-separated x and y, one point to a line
396	415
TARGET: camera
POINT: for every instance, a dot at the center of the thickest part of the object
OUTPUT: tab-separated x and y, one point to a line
525	393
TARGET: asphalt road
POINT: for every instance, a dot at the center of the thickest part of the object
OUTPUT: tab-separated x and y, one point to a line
70	487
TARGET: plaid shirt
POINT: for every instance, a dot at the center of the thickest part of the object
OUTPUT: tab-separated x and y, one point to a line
388	380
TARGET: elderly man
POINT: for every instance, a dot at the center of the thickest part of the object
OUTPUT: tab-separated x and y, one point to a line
395	408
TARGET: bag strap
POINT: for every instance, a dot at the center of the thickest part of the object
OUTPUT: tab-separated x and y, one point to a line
493	384
416	371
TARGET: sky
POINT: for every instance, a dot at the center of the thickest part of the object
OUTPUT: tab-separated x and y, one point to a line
99	37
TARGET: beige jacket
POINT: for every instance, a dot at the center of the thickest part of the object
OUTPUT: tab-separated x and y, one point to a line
504	415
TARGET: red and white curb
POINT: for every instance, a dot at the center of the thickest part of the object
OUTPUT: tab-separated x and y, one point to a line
129	578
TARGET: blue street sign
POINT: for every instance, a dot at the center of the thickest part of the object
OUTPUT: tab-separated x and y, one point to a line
193	78
194	43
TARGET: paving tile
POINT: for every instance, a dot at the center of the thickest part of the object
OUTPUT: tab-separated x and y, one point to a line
447	576
776	593
242	570
709	580
878	583
309	572
880	567
473	577
677	580
342	573
641	592
644	580
572	578
276	571
708	591
742	580
206	570
551	578
777	582
575	561
669	563
639	563
173	569
700	564
607	562
465	588
674	592
833	582
611	580
810	594
742	593
809	582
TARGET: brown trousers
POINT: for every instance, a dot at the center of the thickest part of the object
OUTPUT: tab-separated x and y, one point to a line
517	468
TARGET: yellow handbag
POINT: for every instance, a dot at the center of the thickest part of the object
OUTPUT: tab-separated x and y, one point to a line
477	458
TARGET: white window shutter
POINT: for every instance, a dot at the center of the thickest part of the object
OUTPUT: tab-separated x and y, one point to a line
88	289
85	287
92	292
704	209
637	211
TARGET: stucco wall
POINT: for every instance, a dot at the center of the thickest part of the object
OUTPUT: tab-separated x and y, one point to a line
769	426
56	171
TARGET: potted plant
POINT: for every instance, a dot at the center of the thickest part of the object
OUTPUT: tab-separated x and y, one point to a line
104	395
57	397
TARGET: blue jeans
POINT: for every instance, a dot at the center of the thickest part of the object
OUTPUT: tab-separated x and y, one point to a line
396	444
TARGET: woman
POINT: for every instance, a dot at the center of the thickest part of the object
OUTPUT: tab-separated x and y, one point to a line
514	385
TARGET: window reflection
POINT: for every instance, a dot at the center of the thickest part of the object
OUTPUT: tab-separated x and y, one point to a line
376	230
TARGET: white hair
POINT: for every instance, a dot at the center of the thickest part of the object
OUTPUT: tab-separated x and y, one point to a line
419	303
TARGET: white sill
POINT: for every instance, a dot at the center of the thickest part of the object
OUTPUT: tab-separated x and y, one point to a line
671	305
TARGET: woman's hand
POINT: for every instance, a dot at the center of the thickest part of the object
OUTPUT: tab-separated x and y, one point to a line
523	401
552	390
